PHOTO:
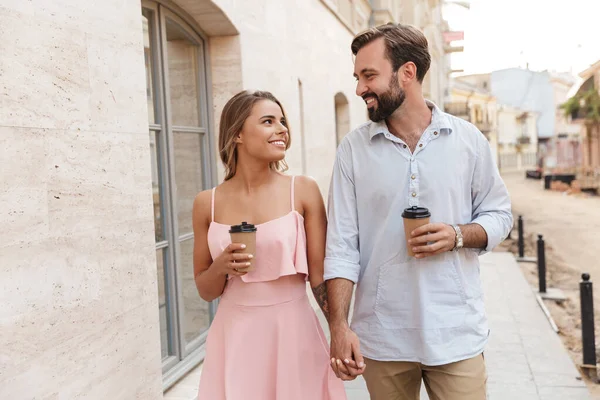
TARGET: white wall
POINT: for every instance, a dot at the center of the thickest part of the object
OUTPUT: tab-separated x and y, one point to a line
79	300
527	90
508	129
279	48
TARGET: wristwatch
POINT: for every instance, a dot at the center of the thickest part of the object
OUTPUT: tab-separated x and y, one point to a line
458	240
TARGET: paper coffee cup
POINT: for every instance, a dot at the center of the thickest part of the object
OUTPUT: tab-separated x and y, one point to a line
245	233
413	218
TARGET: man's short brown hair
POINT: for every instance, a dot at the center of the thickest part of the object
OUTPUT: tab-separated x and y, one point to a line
403	43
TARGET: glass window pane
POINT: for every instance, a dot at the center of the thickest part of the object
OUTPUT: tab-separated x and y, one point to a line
159	233
147	23
188	175
182	62
166	342
196	314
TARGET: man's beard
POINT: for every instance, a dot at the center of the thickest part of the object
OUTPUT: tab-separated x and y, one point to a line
387	102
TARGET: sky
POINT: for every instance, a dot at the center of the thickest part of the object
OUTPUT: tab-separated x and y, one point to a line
556	35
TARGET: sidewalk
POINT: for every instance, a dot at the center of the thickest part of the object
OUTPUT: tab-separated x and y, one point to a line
525	358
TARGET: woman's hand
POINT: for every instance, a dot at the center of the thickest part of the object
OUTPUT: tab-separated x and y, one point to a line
230	262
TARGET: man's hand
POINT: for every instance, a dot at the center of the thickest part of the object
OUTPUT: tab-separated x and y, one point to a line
346	360
441	238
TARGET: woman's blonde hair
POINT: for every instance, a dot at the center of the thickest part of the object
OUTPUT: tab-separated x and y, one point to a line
234	114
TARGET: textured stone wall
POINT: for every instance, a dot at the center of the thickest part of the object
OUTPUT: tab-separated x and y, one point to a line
79	315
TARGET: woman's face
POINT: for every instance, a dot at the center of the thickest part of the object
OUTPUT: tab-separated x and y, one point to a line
265	134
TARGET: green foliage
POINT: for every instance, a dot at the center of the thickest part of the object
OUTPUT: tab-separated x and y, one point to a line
584	105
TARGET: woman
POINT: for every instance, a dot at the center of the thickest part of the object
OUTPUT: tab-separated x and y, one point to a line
265	342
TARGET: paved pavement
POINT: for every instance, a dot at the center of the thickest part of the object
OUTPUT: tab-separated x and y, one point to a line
525	358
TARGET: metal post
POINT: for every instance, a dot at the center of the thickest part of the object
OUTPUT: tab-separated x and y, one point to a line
521	239
541	261
587	321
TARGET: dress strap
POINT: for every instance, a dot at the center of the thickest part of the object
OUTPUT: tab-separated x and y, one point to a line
212	206
292	194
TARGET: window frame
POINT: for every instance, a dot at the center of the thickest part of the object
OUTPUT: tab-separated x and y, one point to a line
184	355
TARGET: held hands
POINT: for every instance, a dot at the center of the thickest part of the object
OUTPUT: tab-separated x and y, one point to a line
232	263
346	360
441	238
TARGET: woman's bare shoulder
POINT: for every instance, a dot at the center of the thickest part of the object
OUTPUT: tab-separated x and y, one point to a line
202	204
307	183
308	191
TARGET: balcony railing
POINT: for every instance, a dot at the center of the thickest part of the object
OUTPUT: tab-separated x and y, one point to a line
579	114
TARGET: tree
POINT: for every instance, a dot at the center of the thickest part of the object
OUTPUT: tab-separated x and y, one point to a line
585	105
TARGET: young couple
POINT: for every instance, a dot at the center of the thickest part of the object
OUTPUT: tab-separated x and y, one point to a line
416	318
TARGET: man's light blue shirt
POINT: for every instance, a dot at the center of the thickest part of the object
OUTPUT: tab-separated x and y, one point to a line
424	310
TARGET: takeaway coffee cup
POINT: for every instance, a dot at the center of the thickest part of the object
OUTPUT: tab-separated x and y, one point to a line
413	218
245	233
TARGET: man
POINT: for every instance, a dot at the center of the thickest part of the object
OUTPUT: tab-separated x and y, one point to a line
418	318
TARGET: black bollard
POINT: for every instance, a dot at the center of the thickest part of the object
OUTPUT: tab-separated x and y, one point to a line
521	239
541	262
587	321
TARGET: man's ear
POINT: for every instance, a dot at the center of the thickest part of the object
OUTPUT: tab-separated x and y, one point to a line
407	72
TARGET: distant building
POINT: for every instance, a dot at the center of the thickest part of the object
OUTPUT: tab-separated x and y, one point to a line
538	94
589	134
478	106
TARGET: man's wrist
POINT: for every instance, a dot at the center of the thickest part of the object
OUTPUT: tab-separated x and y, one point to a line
338	325
458	238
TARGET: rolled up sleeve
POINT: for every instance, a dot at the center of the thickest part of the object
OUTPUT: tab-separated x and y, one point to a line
342	257
491	200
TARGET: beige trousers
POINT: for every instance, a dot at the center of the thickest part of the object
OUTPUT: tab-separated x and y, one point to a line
396	380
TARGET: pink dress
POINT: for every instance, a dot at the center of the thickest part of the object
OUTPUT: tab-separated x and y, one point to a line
265	342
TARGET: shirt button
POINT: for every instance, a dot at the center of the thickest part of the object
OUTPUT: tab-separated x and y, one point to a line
421	145
435	133
413	177
414	194
404	145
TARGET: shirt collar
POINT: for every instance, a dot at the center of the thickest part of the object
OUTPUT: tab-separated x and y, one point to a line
439	122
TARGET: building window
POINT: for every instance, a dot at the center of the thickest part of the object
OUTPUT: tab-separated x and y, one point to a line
478	114
179	143
342	117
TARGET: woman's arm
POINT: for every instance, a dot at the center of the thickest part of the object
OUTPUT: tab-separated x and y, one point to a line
315	224
210	276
